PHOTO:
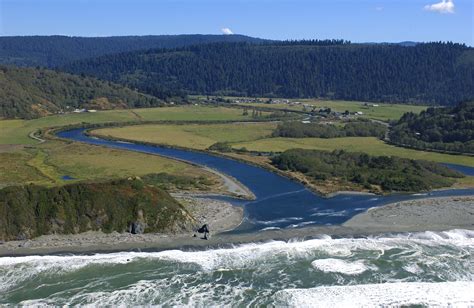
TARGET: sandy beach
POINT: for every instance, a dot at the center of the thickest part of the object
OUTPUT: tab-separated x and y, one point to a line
433	214
417	215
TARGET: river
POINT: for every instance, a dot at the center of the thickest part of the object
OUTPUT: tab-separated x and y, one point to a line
280	202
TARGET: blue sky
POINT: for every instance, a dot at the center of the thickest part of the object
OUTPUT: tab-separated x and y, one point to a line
358	21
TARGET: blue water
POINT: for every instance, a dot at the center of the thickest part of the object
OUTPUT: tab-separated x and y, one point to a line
67	178
280	202
463	169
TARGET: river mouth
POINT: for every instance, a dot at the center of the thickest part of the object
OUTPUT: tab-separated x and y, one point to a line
280	203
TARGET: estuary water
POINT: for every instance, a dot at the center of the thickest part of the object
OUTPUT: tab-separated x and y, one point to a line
280	202
409	269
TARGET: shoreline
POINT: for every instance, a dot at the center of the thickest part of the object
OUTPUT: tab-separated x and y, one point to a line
431	214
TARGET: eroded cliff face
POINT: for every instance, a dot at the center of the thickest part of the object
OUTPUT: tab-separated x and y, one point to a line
123	206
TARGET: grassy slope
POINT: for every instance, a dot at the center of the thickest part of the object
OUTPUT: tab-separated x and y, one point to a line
383	112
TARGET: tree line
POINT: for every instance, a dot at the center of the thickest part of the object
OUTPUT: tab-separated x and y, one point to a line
445	129
295	129
57	50
371	172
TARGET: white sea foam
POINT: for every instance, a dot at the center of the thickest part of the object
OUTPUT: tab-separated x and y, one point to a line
340	266
270	228
15	270
302	224
440	294
278	221
330	213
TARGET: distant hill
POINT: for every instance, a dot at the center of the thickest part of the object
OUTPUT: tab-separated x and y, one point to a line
30	93
433	73
52	51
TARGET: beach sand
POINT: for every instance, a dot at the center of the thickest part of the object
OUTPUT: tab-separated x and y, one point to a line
415	215
433	214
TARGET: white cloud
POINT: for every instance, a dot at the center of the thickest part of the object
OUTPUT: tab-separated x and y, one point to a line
227	31
443	7
379	8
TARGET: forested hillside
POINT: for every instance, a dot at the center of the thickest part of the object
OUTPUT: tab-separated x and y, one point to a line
434	73
52	51
30	93
124	205
446	129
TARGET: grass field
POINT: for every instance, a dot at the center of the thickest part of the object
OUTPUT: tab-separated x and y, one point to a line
16	131
369	145
195	136
47	163
383	112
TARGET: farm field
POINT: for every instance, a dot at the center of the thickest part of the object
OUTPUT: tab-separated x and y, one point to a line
195	136
383	112
16	131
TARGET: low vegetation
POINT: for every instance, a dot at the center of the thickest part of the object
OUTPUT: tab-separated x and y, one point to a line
47	164
374	173
444	129
121	205
316	130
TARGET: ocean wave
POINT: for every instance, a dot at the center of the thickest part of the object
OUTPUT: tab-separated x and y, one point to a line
340	266
438	294
432	249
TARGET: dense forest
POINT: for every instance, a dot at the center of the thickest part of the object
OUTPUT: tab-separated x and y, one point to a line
315	130
52	51
372	172
434	73
30	93
122	205
445	129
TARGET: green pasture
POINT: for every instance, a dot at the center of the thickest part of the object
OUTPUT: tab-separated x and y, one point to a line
195	136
